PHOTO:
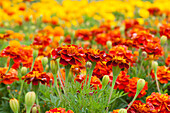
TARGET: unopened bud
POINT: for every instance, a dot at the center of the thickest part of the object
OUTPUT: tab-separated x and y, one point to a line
163	40
8	87
23	70
30	99
144	54
14	104
44	61
122	110
47	68
109	44
35	53
54	66
140	84
154	65
34	109
105	80
88	65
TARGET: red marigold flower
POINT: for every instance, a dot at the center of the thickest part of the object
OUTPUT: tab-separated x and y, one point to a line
132	86
138	107
158	103
154	50
8	78
76	69
94	55
167	61
141	37
163	74
165	30
94	83
69	54
38	66
96	31
41	41
59	110
83	34
102	39
105	27
154	11
35	77
129	23
119	56
122	80
101	69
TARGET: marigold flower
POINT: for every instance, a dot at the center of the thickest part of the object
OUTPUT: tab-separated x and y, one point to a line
8	78
165	30
102	39
115	111
35	77
83	34
131	88
94	55
101	69
154	11
122	80
163	74
119	56
59	110
69	54
129	23
138	107
158	103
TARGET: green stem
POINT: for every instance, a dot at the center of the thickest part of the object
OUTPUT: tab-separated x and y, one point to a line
133	99
21	87
56	85
157	84
91	72
28	110
36	92
67	69
33	64
140	68
115	70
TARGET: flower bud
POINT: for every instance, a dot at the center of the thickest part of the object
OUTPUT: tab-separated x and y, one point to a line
144	54
109	44
44	61
30	99
34	109
47	68
8	87
163	40
122	110
105	80
23	70
154	65
35	53
14	104
54	66
88	65
140	84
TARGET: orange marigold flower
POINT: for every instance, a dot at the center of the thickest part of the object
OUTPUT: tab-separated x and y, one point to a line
94	83
8	78
83	34
119	56
59	110
102	39
163	74
122	80
76	69
115	111
94	55
158	103
41	41
69	54
138	107
131	88
167	61
129	23
101	69
165	30
35	77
